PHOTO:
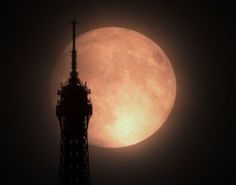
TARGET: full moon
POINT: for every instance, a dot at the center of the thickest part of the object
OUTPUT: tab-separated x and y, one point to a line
132	82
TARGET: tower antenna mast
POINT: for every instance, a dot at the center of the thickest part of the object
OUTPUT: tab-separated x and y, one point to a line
74	74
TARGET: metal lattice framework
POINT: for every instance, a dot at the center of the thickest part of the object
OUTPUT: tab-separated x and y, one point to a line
74	110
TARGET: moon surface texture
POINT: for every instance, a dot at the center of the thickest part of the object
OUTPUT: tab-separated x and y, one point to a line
132	83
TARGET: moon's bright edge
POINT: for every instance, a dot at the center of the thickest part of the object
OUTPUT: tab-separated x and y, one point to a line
132	82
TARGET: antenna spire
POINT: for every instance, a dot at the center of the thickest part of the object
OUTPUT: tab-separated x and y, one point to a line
74	74
73	36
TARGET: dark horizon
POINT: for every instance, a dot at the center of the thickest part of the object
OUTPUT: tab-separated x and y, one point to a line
193	147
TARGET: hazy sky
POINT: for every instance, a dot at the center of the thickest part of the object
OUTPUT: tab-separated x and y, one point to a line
193	147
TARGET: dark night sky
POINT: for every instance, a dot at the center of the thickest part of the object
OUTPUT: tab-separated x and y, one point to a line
194	146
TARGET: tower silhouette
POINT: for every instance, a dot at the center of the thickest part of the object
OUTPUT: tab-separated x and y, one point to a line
74	110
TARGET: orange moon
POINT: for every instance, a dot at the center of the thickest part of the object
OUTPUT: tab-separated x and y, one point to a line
132	82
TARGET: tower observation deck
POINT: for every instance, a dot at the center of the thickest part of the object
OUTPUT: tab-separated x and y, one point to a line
74	110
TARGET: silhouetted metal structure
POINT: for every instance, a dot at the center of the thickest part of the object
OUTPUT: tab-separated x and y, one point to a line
74	110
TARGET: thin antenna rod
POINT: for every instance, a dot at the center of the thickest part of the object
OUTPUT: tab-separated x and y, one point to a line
73	74
73	36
